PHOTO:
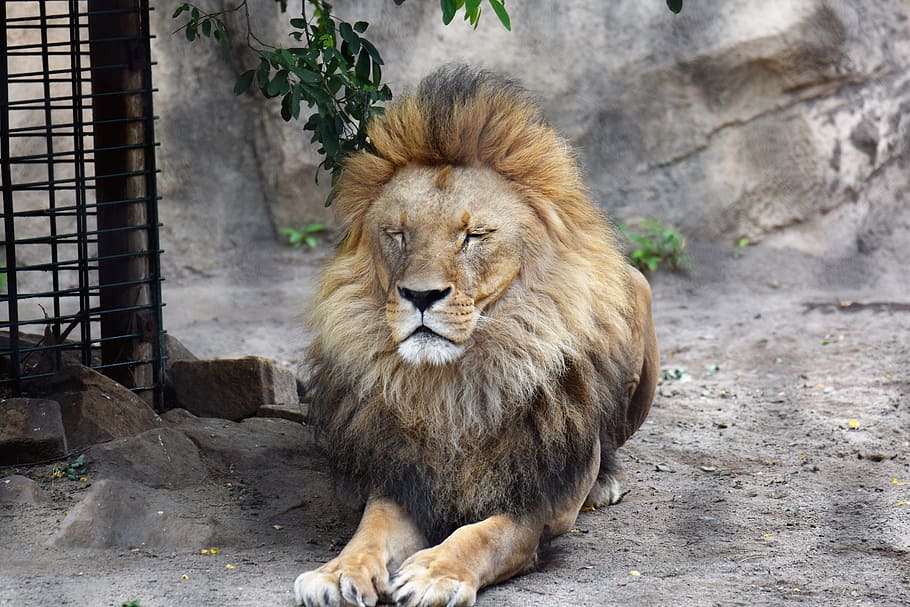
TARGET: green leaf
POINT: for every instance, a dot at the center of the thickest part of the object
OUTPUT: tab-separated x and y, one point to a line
362	68
299	23
475	18
377	58
307	76
207	28
179	10
328	137
262	74
317	95
287	109
501	12
471	6
347	33
361	26
190	31
675	5
279	84
448	11
295	101
244	82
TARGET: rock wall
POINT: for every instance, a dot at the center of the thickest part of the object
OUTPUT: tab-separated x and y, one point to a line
730	119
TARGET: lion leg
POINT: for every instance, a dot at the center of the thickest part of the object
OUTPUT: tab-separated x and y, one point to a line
641	383
607	490
483	553
475	555
359	575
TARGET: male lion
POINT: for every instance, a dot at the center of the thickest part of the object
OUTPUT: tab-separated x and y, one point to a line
482	348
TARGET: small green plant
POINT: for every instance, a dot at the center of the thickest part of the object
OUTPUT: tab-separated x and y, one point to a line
740	246
133	603
305	235
75	470
2	278
656	244
676	375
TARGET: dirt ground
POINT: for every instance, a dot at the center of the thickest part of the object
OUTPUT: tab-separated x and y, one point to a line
773	468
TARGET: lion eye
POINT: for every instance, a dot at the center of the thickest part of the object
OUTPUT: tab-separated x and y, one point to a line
396	236
474	234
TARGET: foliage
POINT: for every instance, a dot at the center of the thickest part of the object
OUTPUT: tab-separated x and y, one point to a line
655	245
2	278
675	5
472	11
74	470
305	235
133	603
334	70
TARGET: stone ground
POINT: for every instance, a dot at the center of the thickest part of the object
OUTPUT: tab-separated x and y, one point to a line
773	469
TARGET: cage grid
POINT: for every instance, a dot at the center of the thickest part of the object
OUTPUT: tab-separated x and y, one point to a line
80	275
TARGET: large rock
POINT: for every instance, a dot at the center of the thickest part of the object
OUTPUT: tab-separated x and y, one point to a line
731	118
18	489
249	446
31	430
246	453
162	457
296	413
95	408
231	388
119	514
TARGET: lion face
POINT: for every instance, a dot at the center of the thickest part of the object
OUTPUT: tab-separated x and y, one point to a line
449	243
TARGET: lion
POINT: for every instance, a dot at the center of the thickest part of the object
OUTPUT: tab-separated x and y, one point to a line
481	349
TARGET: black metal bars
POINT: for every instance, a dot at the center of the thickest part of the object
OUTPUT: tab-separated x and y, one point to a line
80	278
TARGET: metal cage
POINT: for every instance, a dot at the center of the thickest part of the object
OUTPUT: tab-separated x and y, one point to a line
80	277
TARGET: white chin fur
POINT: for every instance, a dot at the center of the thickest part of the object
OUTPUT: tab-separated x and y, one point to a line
428	349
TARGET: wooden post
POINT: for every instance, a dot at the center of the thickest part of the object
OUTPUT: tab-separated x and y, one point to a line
120	68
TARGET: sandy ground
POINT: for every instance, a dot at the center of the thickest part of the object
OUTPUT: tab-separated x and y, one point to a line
774	468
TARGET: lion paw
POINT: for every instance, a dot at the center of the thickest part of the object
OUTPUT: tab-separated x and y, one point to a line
427	581
334	585
605	492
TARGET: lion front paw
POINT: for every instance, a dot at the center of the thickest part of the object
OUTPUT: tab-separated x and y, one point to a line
340	582
428	580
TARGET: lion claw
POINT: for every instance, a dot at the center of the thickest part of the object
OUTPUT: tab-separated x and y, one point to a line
332	589
416	585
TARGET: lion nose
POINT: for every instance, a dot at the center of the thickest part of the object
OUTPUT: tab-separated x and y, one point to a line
424	299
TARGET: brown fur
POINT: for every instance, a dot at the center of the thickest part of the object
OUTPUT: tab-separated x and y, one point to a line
553	326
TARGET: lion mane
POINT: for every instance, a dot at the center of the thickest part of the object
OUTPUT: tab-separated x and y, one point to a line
511	425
